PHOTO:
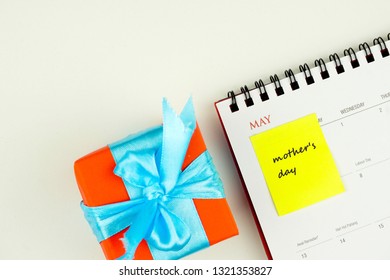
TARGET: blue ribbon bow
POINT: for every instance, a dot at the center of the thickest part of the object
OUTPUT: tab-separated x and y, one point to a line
161	210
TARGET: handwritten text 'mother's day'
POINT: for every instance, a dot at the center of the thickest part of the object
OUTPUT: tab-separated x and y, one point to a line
291	153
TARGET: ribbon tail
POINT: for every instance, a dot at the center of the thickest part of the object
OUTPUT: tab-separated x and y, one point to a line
139	229
177	133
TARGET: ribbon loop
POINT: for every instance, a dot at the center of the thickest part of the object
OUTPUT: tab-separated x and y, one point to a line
169	231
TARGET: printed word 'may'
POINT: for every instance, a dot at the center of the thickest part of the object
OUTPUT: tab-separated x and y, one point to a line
260	122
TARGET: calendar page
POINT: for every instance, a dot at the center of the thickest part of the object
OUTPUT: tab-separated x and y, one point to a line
353	111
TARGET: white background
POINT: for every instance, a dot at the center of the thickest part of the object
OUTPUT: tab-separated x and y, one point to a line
77	75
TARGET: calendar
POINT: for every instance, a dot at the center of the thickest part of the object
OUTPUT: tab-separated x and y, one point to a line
350	97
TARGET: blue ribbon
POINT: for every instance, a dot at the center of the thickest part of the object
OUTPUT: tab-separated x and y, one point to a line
161	209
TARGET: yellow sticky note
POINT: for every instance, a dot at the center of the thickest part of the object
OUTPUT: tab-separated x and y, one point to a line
297	164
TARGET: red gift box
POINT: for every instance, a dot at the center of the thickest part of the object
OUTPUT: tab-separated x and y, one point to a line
99	186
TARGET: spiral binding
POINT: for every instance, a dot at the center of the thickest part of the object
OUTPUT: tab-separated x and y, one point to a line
381	42
263	92
352	56
305	69
369	56
293	82
339	67
278	87
323	70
